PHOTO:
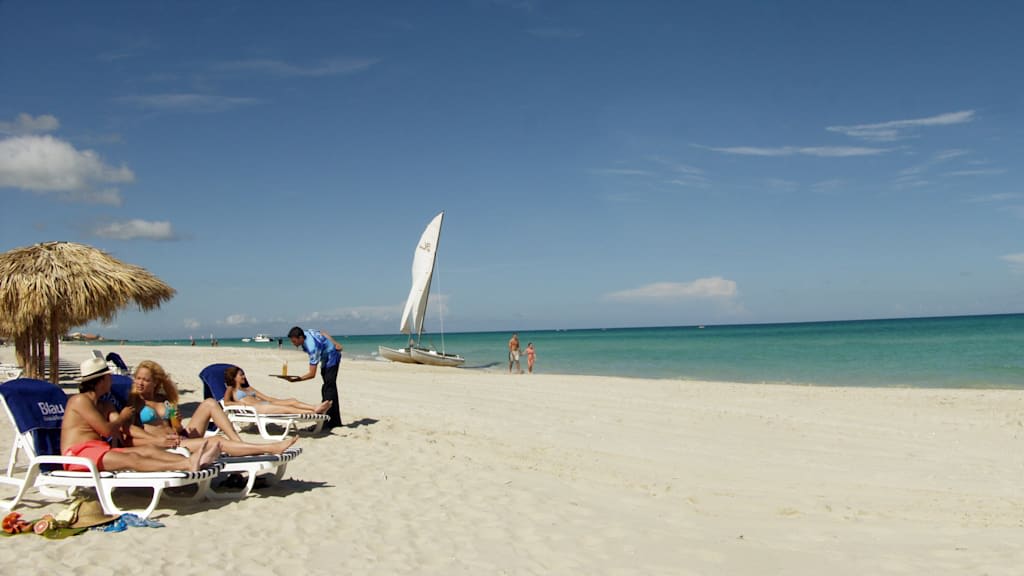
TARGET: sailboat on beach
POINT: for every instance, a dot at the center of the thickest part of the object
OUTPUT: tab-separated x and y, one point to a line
415	312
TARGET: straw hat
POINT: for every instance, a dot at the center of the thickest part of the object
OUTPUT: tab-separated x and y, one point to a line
90	513
93	368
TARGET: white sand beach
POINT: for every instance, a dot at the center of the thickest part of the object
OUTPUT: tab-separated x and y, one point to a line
445	471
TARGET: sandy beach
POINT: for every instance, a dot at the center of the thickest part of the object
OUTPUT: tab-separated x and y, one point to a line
472	472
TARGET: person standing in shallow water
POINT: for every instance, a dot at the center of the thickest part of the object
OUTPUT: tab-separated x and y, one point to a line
326	352
513	353
531	357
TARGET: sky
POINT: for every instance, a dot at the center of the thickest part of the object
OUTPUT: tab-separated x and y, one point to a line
600	164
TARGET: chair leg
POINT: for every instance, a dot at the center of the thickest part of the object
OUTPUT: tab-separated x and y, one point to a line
23	486
278	474
105	494
262	425
157	492
12	462
203	489
236	495
201	493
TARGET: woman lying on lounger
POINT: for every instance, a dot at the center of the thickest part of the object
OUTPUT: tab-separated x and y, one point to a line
155	399
240	392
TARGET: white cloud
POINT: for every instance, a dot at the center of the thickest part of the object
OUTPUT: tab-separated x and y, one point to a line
715	287
238	320
666	171
981	172
909	181
938	158
842	151
191	323
678	167
48	164
895	129
360	313
189	102
383	318
995	198
622	172
754	150
333	67
27	124
950	154
915	176
109	197
1016	261
782	184
832	185
689	181
820	151
136	229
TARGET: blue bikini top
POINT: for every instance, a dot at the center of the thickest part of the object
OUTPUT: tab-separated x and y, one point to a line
147	414
240	395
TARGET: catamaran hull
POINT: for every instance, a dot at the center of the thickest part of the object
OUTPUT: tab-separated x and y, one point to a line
435	358
400	355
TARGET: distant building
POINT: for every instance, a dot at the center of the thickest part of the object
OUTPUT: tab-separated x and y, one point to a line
79	337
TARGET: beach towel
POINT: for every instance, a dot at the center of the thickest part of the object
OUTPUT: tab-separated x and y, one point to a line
37	408
116	359
120	390
213	381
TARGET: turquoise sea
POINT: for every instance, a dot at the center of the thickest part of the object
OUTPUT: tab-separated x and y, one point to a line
948	352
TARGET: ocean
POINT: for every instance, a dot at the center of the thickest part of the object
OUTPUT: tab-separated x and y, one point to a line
945	352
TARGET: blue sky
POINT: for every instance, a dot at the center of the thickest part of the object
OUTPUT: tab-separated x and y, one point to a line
601	164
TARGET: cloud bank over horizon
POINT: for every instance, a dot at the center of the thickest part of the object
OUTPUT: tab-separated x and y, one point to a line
714	287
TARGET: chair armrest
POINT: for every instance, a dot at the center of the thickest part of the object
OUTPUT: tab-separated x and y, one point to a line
76	460
240	410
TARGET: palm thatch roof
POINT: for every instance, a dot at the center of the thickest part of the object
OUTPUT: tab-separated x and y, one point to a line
48	288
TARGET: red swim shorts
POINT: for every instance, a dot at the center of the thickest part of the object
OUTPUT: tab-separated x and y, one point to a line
94	450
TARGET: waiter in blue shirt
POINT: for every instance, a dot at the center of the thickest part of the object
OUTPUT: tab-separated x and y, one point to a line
323	350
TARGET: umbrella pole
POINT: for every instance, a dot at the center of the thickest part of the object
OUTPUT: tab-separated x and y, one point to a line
54	350
40	335
21	352
32	367
40	355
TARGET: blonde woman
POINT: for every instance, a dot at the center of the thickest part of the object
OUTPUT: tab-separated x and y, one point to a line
158	422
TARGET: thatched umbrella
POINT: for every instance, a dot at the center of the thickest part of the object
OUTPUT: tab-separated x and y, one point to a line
49	288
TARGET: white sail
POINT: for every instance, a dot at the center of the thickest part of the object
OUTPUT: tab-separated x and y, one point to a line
422	273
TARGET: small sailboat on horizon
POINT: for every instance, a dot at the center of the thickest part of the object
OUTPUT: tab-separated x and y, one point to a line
414	314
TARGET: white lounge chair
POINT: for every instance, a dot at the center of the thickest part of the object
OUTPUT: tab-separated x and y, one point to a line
9	372
36	409
114	362
271	467
213	387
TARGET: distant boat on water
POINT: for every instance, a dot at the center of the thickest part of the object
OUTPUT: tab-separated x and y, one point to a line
414	314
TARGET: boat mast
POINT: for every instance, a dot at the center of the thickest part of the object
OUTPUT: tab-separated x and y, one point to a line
440	301
433	270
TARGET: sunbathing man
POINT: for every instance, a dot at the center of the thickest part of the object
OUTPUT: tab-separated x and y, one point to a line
84	428
239	391
156	421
